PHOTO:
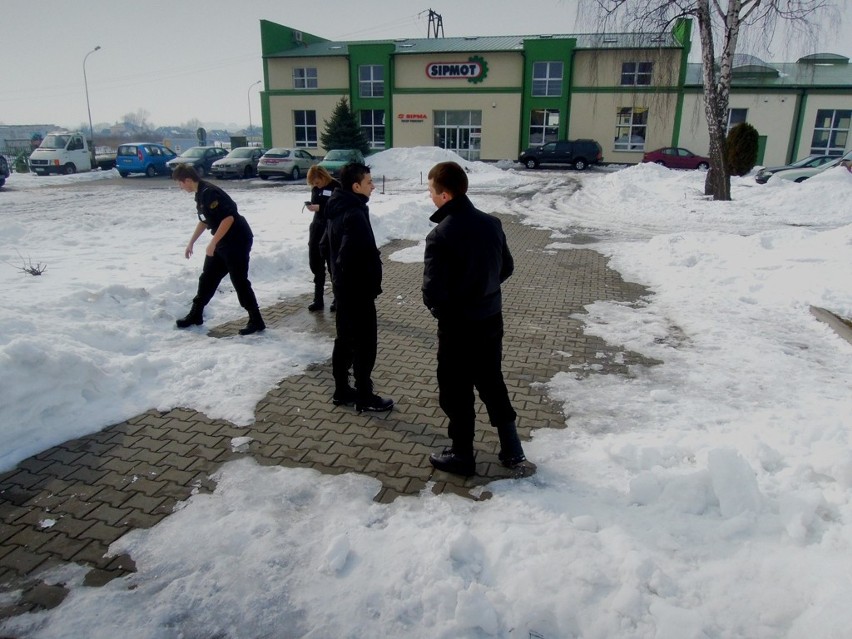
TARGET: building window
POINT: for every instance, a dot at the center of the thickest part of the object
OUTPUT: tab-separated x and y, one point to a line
636	73
630	129
544	126
373	126
547	79
735	117
305	123
305	78
831	130
371	81
459	131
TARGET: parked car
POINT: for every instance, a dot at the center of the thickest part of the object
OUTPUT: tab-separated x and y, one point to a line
809	162
336	159
677	158
241	162
4	170
143	157
800	175
285	162
201	157
577	153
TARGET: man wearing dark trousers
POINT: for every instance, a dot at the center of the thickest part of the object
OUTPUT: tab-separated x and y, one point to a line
356	272
226	254
466	260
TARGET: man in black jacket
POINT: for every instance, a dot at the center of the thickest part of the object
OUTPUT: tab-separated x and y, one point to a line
227	252
356	273
466	260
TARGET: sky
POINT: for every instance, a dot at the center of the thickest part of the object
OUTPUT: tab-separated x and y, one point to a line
199	59
707	497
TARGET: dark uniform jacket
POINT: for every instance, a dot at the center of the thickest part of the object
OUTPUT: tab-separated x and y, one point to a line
214	205
356	264
321	195
466	260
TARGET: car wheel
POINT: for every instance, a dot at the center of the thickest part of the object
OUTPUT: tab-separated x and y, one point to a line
660	162
123	173
264	176
296	174
151	171
580	165
247	172
801	179
531	163
70	168
703	166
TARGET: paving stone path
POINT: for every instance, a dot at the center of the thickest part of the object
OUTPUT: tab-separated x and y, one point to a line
131	475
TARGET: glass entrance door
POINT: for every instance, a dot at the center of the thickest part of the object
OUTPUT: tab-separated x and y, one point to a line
460	132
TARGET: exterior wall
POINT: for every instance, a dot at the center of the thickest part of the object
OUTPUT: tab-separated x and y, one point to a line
504	70
810	106
332	73
280	115
603	68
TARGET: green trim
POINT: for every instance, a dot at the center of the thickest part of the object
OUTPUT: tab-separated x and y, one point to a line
682	32
798	125
275	38
380	54
465	90
550	50
627	89
266	121
310	92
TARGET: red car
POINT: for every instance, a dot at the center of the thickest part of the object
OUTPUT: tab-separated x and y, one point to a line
675	158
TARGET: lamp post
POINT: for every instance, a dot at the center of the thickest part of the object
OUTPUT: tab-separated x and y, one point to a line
88	108
248	98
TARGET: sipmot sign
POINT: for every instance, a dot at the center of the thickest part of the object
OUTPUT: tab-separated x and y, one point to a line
454	70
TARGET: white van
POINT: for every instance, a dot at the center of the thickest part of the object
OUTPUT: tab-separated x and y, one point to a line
62	152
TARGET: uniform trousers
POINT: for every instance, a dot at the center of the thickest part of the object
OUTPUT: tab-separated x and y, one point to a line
316	260
356	342
230	260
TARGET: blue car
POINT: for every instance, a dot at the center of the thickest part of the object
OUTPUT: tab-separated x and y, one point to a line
143	157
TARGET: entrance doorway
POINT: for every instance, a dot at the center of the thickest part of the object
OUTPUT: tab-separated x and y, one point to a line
460	132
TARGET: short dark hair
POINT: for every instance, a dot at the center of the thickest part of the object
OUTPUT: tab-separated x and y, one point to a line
353	173
450	177
185	172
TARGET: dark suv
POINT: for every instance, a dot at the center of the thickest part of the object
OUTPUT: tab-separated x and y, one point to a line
577	153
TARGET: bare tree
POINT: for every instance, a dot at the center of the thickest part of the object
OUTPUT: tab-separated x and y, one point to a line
138	119
720	23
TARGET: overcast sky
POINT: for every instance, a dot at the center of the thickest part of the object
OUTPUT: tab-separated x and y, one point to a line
184	59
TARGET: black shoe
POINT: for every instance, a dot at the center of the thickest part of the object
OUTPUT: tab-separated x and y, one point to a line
344	397
372	403
253	326
455	463
195	317
511	461
333	306
316	305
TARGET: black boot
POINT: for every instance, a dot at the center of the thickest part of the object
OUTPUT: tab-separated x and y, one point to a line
367	400
511	452
317	304
195	317
255	323
344	396
458	461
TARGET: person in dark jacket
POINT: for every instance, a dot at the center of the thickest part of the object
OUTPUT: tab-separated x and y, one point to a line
323	186
466	260
226	254
356	272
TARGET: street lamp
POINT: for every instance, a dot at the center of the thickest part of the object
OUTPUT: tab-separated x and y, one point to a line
248	98
88	108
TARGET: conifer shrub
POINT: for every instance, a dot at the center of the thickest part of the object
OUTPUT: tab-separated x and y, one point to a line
742	147
342	131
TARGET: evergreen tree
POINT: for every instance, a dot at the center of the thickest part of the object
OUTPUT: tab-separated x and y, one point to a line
343	130
742	147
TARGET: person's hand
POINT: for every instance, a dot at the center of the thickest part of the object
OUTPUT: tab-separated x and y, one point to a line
188	251
211	248
313	208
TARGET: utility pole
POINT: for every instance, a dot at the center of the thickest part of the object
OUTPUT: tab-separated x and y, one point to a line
436	24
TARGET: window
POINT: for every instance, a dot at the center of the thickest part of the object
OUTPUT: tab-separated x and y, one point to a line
305	128
830	131
373	125
735	117
371	81
636	73
630	129
544	126
305	78
459	131
547	79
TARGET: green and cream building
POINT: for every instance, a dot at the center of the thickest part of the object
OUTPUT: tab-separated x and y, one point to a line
488	98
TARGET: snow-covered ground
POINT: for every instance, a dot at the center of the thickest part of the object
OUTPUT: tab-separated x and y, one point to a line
704	497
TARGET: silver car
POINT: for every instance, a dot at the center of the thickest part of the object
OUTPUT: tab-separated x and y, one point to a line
285	162
241	162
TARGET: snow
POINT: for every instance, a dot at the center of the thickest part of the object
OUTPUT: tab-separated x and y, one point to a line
707	496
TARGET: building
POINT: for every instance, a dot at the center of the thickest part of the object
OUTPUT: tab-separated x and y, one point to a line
488	98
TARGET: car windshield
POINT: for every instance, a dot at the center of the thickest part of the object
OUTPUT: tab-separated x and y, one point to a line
277	153
194	152
244	152
55	142
339	155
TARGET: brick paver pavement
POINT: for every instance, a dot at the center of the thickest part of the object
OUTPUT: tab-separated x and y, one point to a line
132	474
